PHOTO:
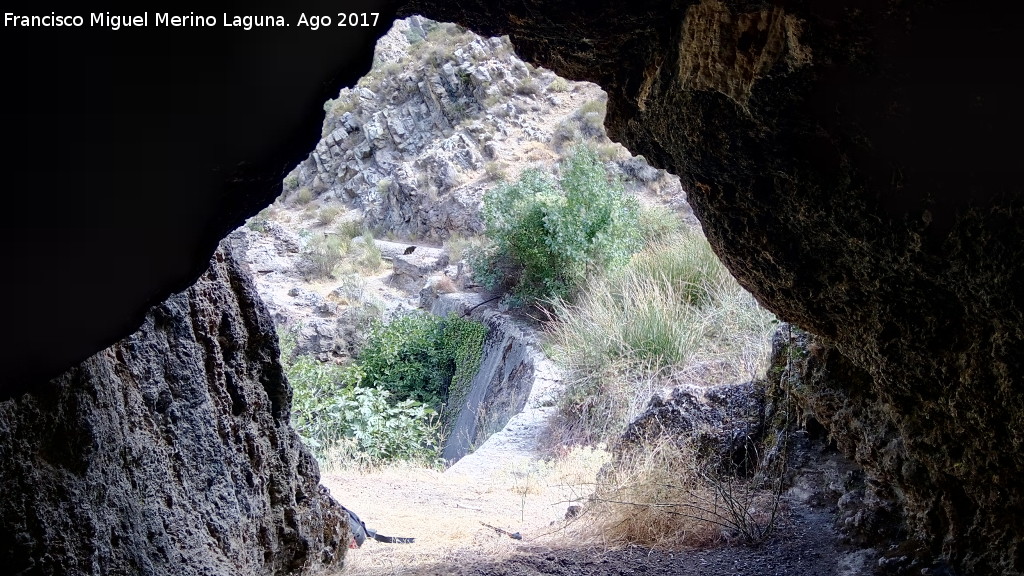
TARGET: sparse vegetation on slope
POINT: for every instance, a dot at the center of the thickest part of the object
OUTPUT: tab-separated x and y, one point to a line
673	311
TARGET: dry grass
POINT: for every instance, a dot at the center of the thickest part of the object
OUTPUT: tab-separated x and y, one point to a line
655	500
673	314
459	247
447	511
664	497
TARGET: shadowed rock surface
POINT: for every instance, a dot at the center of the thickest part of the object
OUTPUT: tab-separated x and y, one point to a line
168	453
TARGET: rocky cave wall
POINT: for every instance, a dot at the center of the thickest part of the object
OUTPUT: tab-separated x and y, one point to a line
851	165
170	452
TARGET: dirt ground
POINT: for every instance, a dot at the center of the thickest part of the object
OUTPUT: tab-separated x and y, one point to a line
462	525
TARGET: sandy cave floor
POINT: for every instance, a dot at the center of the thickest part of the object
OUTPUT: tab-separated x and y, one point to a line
453	516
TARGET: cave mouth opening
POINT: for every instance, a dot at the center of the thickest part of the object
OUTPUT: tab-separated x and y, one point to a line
382	225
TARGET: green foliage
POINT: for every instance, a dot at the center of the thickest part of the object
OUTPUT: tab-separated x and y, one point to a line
371	259
259	222
337	107
333	412
349	229
326	215
496	170
291	182
414	36
548	236
420	356
321	254
591	117
459	247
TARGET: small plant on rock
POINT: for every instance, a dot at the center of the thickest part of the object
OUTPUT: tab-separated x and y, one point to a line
559	84
326	215
303	196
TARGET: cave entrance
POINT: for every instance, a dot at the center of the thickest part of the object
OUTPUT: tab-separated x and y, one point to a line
456	354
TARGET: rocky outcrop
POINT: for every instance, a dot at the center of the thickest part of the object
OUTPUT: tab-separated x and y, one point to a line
390	147
722	424
848	163
513	392
442	116
168	453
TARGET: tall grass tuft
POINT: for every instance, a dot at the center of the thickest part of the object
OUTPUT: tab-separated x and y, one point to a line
672	313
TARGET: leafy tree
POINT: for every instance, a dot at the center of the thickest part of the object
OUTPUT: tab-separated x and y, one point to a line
547	236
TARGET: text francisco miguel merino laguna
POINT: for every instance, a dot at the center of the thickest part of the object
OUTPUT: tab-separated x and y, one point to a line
117	21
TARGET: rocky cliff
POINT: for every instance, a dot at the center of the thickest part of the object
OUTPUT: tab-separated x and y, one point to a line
443	115
169	452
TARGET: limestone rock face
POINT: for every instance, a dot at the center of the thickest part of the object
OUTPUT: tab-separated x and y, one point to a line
395	152
850	166
168	453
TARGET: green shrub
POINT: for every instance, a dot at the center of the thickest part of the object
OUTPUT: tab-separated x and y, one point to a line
303	196
459	247
371	259
321	254
326	215
591	118
566	132
423	357
291	182
527	87
335	414
337	107
558	85
547	237
414	36
496	170
259	222
349	229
